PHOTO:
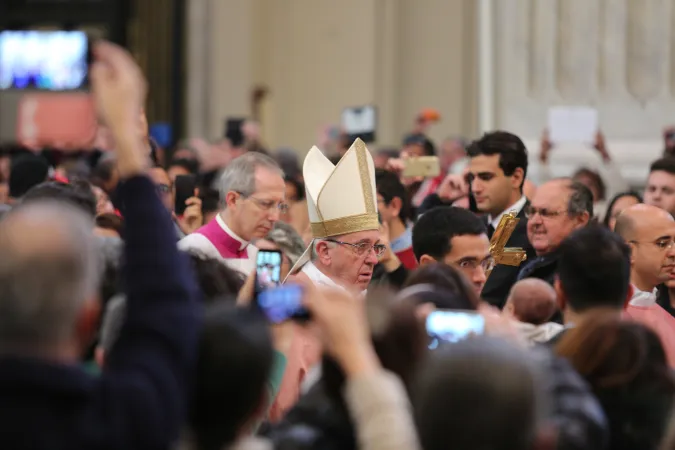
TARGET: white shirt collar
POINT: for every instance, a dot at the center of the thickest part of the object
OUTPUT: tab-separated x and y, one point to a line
227	230
517	206
642	298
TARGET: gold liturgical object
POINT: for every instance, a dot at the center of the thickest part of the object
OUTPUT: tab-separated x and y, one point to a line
498	250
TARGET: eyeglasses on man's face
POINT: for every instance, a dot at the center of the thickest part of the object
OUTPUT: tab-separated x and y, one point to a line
662	244
545	213
362	248
472	264
266	205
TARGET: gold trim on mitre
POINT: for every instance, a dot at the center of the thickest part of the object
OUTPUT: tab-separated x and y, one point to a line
345	225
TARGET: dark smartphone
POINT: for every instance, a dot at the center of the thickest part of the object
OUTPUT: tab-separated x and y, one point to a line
233	131
44	60
283	303
184	186
453	326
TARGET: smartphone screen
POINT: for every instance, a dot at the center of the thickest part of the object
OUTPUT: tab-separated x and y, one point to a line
453	326
184	186
47	60
268	269
283	303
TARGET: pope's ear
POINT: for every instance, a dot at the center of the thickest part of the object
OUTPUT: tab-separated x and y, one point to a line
426	259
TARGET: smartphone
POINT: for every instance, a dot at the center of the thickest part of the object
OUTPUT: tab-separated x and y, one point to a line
422	166
453	326
283	303
62	120
184	186
44	60
268	270
234	132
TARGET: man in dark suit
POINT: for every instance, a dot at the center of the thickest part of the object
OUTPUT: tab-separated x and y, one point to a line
49	278
497	170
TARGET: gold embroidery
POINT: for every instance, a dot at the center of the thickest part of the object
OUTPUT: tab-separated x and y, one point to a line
364	173
498	250
345	225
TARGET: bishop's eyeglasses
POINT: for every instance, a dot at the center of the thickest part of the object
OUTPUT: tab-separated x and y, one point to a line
362	248
530	212
266	205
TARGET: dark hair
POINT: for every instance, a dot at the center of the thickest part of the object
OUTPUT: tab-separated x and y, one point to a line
191	165
215	279
78	193
581	199
422	140
595	178
110	221
389	186
434	230
666	164
594	268
616	198
494	388
299	187
510	148
234	363
27	171
103	170
441	284
627	368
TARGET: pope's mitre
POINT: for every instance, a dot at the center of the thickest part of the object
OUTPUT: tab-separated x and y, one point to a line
342	198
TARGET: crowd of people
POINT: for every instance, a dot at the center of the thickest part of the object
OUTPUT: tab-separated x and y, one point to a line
129	323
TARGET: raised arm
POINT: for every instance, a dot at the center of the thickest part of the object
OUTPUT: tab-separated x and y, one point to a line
147	374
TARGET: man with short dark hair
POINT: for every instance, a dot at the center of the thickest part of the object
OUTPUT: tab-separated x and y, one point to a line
660	189
497	170
454	236
77	193
593	272
28	170
558	208
394	210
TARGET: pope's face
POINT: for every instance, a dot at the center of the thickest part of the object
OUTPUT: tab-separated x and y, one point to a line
352	258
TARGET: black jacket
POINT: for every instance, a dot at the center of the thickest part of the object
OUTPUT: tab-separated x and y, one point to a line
498	285
542	267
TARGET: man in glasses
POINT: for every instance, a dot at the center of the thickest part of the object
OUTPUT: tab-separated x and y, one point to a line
496	174
454	236
650	233
557	209
342	207
253	192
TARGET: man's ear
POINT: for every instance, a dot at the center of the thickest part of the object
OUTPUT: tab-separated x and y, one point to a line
322	252
583	219
426	259
396	204
88	322
231	199
517	177
560	294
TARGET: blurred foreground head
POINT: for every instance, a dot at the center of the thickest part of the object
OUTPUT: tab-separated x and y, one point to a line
49	275
480	393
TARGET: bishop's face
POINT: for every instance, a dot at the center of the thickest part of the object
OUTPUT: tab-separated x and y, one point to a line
256	214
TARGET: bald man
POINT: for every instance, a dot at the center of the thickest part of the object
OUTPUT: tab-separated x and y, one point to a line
532	303
650	233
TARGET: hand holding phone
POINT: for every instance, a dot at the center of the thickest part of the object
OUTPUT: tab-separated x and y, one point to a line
422	166
184	186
